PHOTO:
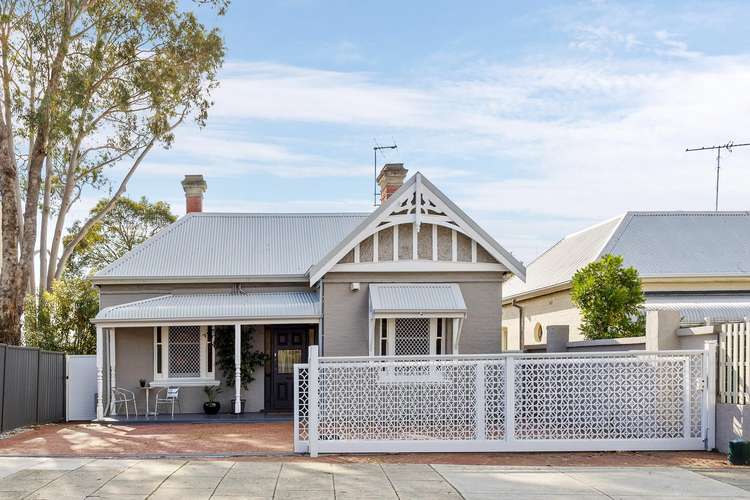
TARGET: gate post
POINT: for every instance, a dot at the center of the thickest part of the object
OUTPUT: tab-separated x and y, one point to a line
312	400
99	372
510	398
709	394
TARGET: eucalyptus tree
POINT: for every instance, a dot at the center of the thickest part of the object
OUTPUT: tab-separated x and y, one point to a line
87	86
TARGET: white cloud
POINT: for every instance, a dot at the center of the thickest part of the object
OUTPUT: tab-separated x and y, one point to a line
534	149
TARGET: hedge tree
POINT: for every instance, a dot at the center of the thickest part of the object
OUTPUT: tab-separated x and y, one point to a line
610	298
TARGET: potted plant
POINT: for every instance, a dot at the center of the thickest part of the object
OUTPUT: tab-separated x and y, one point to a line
211	407
251	358
142	382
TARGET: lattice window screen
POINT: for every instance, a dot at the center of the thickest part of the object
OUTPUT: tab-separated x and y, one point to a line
412	337
184	351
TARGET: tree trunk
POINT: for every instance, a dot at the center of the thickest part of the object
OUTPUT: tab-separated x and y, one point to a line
11	285
43	232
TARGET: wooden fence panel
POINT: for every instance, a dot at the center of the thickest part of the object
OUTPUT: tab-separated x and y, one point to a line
734	363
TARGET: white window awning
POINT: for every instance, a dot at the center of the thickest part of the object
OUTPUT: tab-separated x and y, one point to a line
248	307
416	299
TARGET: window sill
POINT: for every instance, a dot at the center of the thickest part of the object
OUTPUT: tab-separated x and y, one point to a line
184	382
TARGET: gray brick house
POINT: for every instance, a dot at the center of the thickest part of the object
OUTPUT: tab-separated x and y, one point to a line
415	277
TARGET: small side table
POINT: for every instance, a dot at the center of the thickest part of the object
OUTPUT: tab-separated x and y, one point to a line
147	388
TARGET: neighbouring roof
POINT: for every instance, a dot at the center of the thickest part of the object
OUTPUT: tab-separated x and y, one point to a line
224	306
219	245
658	244
700	309
416	297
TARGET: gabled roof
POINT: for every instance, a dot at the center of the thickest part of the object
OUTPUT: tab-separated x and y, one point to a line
416	297
657	244
217	307
233	247
223	245
416	184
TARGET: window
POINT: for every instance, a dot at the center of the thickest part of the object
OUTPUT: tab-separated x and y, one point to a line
286	359
538	332
413	336
183	352
440	336
210	349
158	350
383	337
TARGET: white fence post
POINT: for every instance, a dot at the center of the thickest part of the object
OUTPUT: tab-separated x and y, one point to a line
687	388
312	399
510	398
709	394
481	410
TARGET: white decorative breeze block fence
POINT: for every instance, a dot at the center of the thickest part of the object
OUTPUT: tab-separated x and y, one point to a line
515	402
734	363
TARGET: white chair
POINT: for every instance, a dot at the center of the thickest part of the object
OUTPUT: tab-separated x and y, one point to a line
125	397
168	396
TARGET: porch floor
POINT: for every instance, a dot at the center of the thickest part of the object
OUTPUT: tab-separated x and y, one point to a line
201	418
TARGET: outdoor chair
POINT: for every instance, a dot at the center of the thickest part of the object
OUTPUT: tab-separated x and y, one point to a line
168	396
124	397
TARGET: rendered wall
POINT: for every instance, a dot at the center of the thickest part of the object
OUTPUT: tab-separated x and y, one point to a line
557	309
345	313
732	422
134	350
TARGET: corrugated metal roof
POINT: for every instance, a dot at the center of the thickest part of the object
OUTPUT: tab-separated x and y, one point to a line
559	263
416	297
658	244
684	243
235	245
215	307
700	309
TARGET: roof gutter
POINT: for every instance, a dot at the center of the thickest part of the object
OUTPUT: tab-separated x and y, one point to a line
142	280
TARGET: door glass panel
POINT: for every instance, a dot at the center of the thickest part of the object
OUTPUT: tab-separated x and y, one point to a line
286	358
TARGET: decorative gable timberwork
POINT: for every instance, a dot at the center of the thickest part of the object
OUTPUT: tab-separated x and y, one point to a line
418	229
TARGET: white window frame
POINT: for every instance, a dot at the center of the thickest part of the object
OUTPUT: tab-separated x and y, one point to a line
207	375
391	335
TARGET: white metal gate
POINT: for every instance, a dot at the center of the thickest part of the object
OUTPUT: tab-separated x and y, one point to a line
80	390
515	402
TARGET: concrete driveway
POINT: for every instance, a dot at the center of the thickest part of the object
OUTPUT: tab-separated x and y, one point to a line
72	478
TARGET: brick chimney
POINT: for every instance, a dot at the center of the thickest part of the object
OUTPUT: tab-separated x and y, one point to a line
194	187
390	179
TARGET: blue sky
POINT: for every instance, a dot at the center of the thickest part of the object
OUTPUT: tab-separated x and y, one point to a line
537	117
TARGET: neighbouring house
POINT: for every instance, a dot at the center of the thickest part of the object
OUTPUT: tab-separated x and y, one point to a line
415	277
693	264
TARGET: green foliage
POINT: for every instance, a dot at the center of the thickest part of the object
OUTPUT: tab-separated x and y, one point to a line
60	320
129	223
610	299
251	358
211	392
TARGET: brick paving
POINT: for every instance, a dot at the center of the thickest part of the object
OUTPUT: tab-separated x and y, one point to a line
86	478
273	441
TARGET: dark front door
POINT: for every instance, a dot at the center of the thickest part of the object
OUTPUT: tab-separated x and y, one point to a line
289	348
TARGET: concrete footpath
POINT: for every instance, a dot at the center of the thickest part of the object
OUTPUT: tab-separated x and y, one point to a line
68	478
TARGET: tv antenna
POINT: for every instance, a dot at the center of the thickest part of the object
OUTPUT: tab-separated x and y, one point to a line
728	146
375	149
